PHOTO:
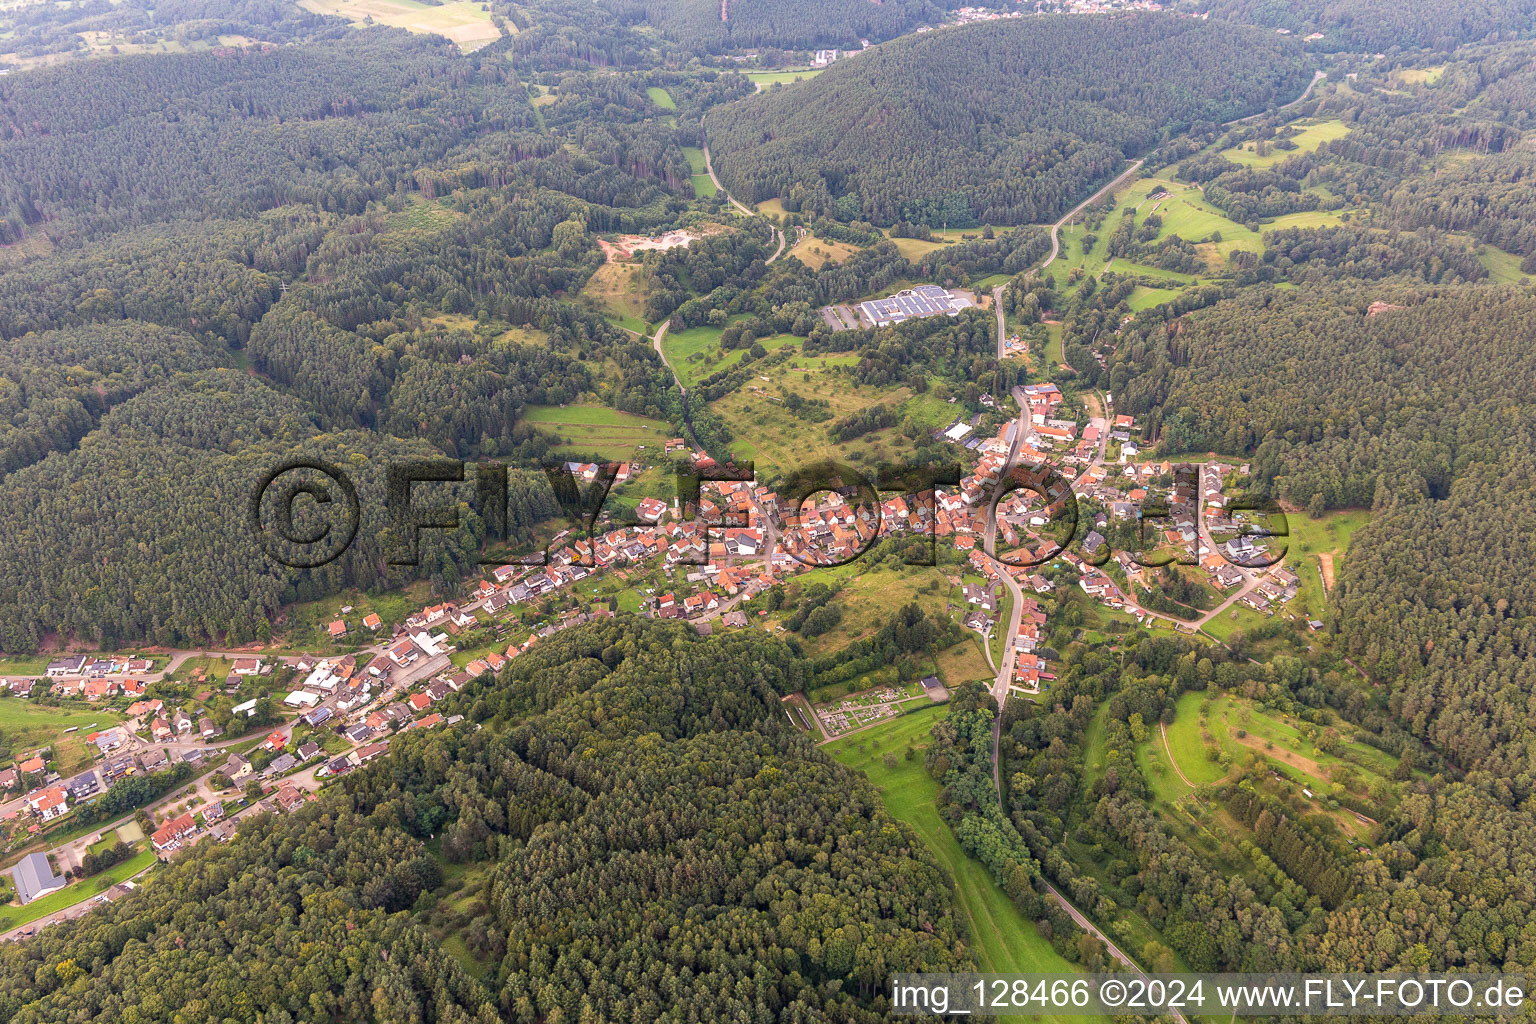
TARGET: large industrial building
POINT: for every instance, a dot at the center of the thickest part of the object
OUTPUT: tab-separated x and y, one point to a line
924	300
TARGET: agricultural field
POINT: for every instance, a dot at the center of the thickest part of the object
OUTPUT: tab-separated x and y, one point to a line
661	97
602	432
763	79
1001	940
28	727
818	252
1312	134
464	22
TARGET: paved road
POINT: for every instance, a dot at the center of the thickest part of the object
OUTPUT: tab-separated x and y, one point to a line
710	167
1109	944
1317	76
997	293
780	250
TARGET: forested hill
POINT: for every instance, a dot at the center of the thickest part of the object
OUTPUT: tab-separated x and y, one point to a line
683	855
697	24
1002	123
1374	25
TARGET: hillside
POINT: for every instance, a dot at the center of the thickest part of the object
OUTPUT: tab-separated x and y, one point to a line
694	842
698	24
1002	123
1368	25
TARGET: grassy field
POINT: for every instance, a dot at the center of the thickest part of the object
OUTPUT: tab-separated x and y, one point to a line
423	214
818	252
1145	298
703	184
1187	744
1234	620
1094	746
1417	76
766	78
695	352
1312	135
1185	213
963	663
15	917
913	248
596	430
661	97
872	596
1001	941
999	638
780	440
1241	729
1503	267
1055	353
23	665
619	291
1304	219
1316	550
28	727
462	21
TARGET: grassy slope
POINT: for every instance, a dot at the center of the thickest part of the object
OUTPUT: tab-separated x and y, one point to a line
594	428
1312	135
15	917
1001	940
29	726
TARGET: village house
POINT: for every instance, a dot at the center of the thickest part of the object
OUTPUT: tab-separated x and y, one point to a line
49	803
168	838
237	767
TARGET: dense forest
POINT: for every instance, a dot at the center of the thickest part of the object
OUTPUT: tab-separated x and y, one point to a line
365	246
686	853
785	24
1008	123
1370	25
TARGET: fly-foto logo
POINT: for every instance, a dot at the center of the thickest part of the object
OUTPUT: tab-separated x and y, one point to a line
306	513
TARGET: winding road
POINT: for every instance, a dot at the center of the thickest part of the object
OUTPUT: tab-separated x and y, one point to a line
997	293
1317	76
710	167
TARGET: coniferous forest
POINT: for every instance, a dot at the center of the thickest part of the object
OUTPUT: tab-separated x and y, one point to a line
238	233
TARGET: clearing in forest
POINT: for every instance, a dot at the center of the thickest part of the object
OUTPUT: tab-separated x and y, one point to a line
1002	940
599	431
465	23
